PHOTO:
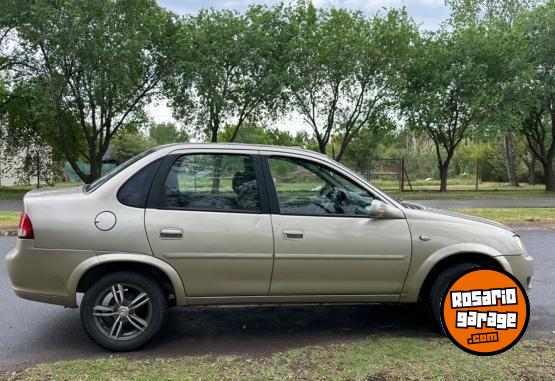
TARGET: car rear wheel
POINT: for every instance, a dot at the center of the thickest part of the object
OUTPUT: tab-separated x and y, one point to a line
437	290
123	310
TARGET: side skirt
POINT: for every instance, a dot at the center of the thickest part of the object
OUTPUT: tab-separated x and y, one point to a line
291	299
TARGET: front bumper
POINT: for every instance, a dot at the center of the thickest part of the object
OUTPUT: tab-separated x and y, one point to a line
43	275
522	267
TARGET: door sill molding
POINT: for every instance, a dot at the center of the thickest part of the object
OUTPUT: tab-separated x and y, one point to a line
291	299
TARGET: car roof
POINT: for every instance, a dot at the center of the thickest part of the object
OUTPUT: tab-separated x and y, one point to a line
242	146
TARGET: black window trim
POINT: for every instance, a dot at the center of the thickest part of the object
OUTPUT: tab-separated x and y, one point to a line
153	162
272	193
156	195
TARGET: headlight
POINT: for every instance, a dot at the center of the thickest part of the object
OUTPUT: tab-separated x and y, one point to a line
520	245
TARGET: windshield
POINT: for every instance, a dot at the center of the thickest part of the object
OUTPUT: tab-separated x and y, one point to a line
101	180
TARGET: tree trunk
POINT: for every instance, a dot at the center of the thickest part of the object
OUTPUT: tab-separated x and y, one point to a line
549	175
443	165
510	158
548	166
95	170
216	173
322	146
443	168
532	171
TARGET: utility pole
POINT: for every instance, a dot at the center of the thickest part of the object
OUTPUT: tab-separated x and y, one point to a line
38	170
402	175
477	172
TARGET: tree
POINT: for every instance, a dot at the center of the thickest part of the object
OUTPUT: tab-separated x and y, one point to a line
526	89
443	95
26	130
99	61
497	18
229	68
343	69
9	52
364	146
538	90
250	133
471	11
130	142
166	133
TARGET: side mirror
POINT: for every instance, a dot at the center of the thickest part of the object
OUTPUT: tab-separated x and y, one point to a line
381	210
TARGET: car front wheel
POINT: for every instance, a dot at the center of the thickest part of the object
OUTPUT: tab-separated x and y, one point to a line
123	310
439	286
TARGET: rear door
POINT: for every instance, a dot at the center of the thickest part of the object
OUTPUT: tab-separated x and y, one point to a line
325	243
208	217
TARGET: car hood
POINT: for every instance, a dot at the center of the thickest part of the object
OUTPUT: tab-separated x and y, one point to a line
449	213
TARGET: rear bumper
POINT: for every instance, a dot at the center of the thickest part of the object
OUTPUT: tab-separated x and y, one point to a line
50	299
43	275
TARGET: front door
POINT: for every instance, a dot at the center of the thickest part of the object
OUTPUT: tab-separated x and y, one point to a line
325	243
210	224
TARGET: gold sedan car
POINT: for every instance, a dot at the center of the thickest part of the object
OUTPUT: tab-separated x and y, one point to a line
210	224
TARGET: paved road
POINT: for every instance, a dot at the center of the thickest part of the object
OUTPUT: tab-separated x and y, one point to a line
489	203
33	332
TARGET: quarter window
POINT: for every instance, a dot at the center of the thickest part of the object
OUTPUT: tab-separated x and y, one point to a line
135	191
307	188
214	182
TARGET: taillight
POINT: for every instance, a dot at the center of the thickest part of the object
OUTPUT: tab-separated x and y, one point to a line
25	230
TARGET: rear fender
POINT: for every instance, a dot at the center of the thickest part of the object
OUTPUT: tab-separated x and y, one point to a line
90	263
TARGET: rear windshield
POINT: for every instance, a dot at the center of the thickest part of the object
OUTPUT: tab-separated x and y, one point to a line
101	180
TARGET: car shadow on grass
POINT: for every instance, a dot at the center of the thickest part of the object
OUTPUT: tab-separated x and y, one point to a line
261	331
258	331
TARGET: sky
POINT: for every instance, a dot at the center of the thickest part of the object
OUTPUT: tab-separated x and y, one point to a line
427	13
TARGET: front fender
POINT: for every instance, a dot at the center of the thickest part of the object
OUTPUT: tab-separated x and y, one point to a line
92	262
417	275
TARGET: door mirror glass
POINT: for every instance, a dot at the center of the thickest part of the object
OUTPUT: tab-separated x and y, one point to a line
377	209
381	210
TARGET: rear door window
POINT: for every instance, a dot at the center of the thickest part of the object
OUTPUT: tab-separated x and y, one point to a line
212	182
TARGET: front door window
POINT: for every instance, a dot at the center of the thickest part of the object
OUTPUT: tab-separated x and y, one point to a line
307	188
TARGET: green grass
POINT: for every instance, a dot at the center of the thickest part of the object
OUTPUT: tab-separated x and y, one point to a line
15	192
454	184
513	215
9	219
467	191
463	189
374	358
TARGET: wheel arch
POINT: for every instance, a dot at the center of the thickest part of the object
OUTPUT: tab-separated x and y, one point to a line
419	280
84	275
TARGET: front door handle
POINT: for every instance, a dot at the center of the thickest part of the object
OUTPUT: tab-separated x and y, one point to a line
171	234
292	234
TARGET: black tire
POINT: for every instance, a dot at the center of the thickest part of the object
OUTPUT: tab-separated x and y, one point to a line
440	284
104	310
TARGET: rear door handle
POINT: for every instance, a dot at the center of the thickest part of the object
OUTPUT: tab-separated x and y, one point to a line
292	234
171	234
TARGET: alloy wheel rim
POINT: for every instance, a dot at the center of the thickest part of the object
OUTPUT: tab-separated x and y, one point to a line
122	311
